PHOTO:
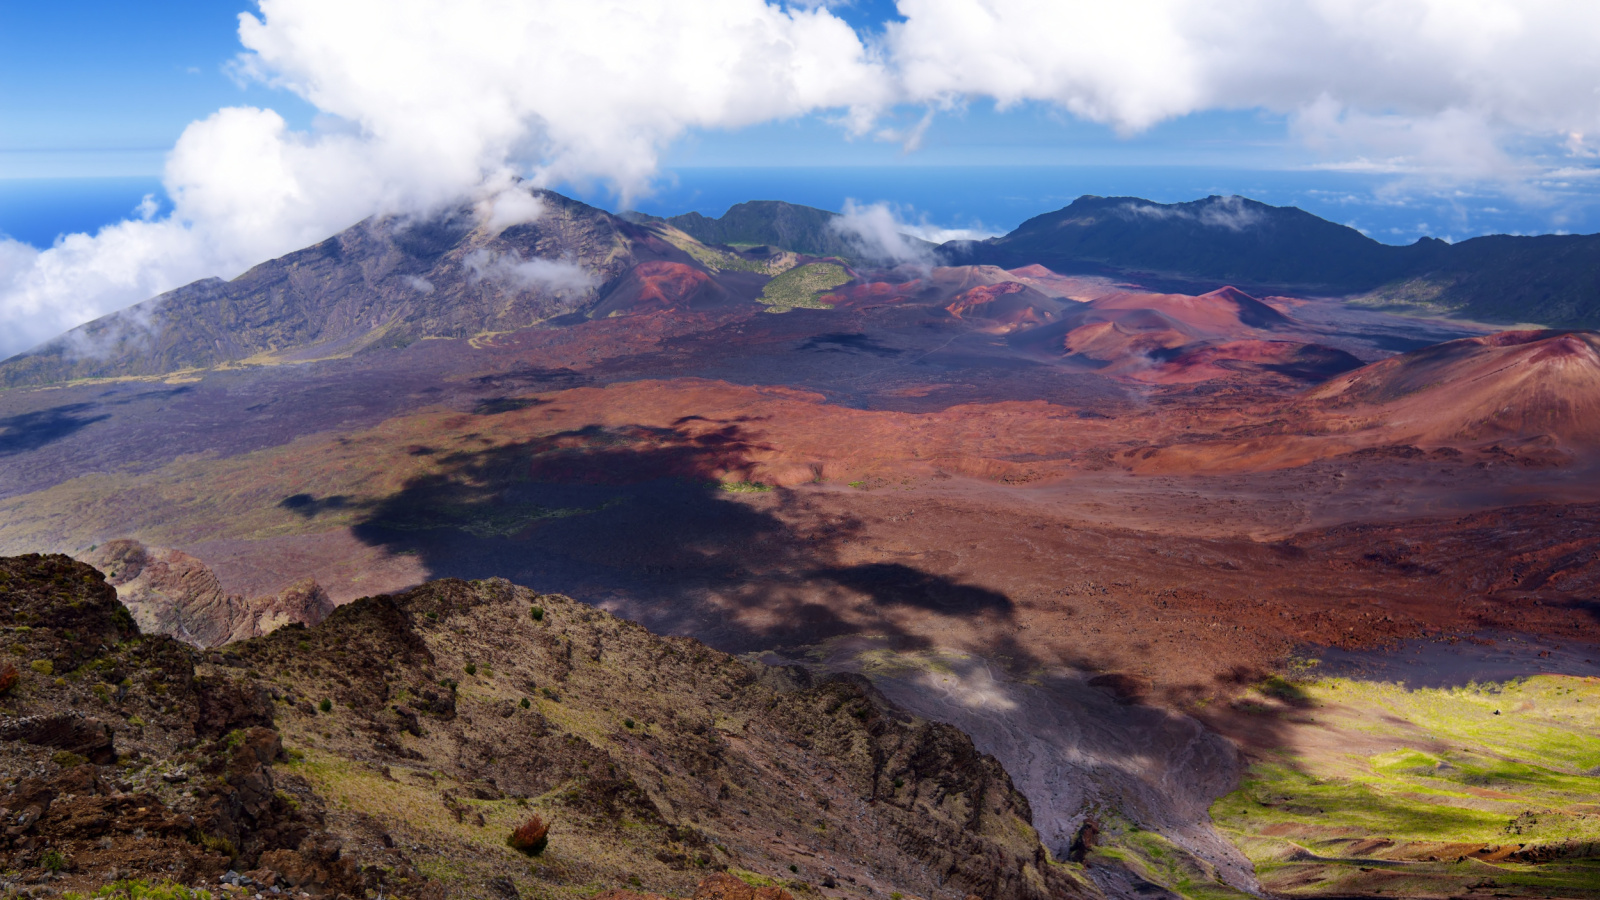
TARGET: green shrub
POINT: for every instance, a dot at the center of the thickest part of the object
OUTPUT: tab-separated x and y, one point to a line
53	861
43	666
537	613
66	759
134	889
525	703
472	668
326	705
627	723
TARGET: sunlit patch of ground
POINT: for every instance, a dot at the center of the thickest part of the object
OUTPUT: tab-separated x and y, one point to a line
1377	788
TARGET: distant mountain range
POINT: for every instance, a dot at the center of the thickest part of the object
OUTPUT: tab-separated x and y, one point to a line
387	282
1551	279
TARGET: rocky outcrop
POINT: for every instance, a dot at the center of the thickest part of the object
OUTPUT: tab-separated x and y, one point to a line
170	592
438	720
117	756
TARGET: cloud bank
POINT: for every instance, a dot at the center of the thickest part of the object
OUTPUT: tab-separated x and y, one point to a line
425	102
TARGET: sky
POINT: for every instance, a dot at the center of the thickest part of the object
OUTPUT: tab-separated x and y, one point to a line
143	146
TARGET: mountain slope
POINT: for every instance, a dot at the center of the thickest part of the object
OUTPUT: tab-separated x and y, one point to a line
1550	279
1513	386
775	223
393	748
383	282
1230	239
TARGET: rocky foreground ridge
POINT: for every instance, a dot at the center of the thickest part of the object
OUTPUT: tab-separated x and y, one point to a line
393	749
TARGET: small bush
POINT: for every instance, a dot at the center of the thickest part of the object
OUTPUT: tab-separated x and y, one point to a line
627	723
66	759
472	668
531	838
537	613
43	666
134	889
525	703
217	844
326	705
53	861
9	676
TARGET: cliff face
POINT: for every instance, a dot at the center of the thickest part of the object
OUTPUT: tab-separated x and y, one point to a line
395	746
170	592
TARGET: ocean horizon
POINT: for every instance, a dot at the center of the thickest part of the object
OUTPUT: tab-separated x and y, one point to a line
989	199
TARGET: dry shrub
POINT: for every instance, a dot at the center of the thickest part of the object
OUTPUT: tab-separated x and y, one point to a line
531	838
8	678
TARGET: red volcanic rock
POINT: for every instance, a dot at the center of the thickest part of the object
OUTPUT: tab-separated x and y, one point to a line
1204	362
1008	305
661	285
1513	386
1225	312
873	293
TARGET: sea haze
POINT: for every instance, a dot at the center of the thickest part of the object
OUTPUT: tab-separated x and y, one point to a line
986	198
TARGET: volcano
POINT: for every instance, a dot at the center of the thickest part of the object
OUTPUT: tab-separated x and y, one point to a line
1516	386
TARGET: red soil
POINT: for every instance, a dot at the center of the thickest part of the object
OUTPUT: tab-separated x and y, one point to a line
662	285
1008	305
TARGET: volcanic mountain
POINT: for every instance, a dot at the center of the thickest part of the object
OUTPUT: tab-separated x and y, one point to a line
1100	522
1516	386
1179	338
1552	279
389	282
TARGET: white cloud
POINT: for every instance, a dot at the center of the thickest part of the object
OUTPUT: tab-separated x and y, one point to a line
510	270
424	102
880	237
1230	212
1437	85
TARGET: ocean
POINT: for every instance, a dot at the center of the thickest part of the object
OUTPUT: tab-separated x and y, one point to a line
987	199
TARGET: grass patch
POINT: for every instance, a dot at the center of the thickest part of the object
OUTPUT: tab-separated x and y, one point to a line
744	487
1427	791
801	288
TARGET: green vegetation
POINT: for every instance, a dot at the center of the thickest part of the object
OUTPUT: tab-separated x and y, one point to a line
1159	861
135	889
744	487
1425	791
53	861
721	260
801	287
326	705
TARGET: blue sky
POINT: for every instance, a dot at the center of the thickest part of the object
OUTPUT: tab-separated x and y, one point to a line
94	88
105	88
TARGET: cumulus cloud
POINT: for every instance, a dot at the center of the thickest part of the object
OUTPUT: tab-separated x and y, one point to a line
423	103
1441	86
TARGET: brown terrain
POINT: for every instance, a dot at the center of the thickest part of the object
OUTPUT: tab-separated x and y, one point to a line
1075	517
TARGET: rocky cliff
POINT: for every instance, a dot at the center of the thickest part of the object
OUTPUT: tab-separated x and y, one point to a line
396	746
